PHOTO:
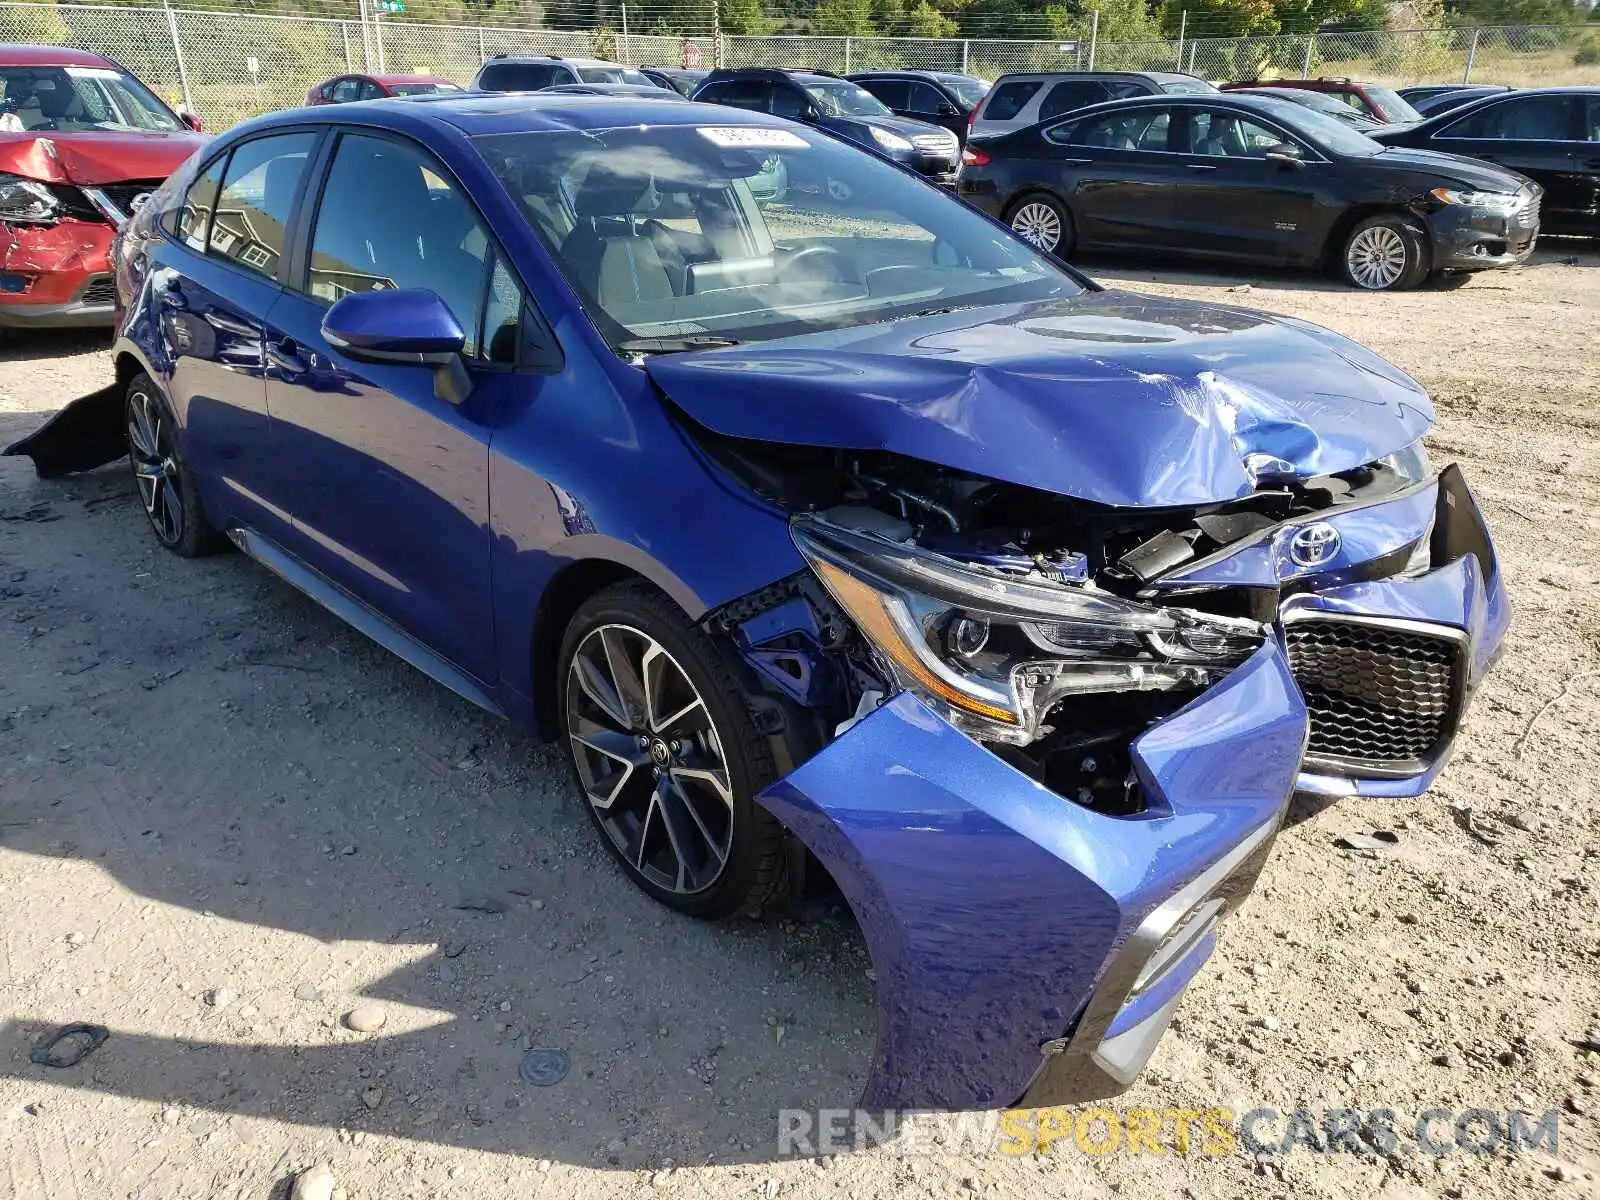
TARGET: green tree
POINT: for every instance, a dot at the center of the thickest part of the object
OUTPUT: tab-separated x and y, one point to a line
1120	21
1220	18
910	18
843	18
744	17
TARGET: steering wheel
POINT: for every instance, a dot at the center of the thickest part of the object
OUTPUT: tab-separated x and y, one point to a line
815	256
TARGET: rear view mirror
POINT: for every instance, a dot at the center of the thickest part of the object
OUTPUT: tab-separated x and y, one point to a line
1285	155
402	327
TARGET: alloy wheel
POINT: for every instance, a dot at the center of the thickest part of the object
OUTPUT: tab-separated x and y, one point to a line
649	759
1038	224
155	469
1376	257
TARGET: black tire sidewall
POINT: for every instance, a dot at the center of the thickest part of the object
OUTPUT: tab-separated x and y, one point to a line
199	537
1069	231
1412	236
749	879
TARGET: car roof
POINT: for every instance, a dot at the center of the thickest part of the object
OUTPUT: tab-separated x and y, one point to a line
1158	76
404	78
908	73
14	54
477	113
549	58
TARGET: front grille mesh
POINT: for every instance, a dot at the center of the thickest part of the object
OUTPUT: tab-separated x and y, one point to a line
122	194
937	143
1378	695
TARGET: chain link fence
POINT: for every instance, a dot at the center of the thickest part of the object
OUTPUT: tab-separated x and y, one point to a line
226	66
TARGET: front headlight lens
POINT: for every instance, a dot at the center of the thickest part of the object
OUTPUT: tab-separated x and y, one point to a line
888	140
1495	202
26	200
995	653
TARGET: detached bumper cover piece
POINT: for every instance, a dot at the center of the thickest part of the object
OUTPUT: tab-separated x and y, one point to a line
1025	945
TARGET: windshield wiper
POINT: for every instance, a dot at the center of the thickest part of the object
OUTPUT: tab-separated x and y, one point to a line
675	345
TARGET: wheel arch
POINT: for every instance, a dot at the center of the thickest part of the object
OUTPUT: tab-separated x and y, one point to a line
1333	247
558	603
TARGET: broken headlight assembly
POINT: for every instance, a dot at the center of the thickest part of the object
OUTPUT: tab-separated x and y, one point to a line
26	201
995	652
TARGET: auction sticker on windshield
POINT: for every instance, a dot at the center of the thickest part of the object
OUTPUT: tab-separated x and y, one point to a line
746	138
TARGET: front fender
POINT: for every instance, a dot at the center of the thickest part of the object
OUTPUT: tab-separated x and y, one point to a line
1013	932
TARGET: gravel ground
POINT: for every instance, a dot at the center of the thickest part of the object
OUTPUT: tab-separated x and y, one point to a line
226	820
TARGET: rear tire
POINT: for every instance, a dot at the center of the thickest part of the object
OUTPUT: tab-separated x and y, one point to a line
1044	223
1386	253
161	474
667	754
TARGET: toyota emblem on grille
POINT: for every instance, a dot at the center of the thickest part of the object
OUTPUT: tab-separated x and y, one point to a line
1314	545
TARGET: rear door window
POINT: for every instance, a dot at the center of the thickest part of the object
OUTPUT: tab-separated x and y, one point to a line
740	93
252	211
1528	119
1009	99
1142	129
345	91
1071	96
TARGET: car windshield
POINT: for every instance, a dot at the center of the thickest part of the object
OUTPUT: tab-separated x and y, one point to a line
844	99
422	89
66	99
969	91
682	234
1390	104
1186	87
613	75
1330	132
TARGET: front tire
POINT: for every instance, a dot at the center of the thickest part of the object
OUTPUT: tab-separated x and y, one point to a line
1386	253
667	754
161	473
1044	223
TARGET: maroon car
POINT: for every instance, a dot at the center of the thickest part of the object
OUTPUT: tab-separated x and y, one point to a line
81	141
344	88
1374	99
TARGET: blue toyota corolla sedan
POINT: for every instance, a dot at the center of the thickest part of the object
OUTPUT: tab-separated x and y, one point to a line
852	539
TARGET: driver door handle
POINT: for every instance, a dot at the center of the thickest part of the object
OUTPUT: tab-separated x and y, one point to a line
1201	166
285	355
1075	162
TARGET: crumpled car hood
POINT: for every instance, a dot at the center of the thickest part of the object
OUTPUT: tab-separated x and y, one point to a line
1107	397
100	156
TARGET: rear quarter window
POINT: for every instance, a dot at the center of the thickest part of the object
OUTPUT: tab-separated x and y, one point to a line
520	77
1009	99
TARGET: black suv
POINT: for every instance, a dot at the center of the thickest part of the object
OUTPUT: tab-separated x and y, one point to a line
938	97
844	109
534	72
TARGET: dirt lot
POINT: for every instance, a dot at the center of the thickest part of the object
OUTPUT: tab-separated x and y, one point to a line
211	791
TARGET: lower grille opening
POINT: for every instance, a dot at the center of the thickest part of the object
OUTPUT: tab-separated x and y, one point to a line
99	291
1382	697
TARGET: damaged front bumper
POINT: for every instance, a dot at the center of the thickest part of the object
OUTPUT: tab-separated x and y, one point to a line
56	276
1028	948
1388	639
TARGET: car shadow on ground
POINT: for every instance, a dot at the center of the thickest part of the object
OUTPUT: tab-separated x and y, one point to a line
1134	268
294	815
30	345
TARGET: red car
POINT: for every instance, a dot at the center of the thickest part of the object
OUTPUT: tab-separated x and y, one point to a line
1378	102
81	141
345	88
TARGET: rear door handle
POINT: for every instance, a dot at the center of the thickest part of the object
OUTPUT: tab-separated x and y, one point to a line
285	355
1200	166
1075	162
1593	164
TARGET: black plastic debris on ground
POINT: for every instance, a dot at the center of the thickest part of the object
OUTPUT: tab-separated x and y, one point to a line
69	1045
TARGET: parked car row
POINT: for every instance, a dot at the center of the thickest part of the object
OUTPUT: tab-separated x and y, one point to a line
1016	607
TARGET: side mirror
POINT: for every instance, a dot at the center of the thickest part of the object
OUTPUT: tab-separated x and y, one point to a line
402	327
1285	156
946	109
192	121
811	114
